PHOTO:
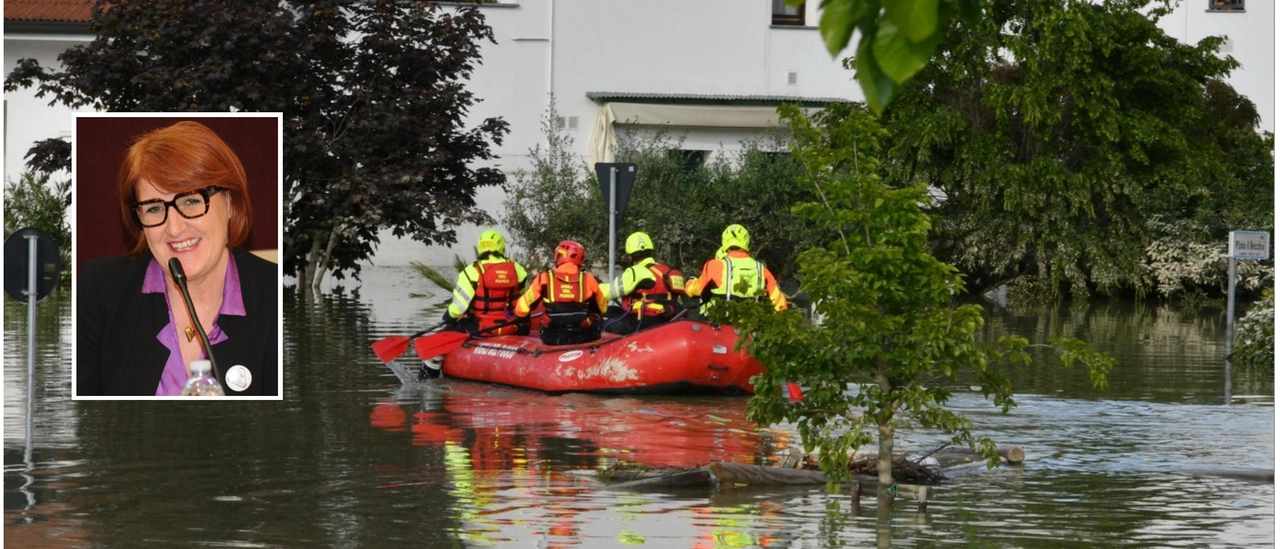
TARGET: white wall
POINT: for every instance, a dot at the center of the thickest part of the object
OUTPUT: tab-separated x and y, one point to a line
1252	42
28	119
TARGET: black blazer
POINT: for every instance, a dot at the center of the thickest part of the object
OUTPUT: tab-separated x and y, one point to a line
117	352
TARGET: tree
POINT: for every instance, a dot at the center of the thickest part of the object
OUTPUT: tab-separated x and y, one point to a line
897	38
890	327
372	93
33	202
1065	137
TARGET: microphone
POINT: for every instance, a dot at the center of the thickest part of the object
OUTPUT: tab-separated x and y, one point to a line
180	276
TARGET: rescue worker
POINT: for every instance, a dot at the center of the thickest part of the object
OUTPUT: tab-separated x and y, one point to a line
484	295
735	276
648	291
571	299
487	290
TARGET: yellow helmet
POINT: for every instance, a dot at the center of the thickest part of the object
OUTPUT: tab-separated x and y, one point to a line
735	235
638	242
491	241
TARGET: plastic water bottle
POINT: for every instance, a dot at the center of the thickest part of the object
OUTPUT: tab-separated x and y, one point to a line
202	383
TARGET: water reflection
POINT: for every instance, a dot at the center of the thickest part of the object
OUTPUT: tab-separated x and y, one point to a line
350	459
1164	353
576	430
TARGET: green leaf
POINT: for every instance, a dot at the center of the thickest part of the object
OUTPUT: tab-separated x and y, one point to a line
876	85
971	10
899	57
839	18
918	19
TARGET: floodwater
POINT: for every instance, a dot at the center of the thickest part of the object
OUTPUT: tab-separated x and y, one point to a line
350	458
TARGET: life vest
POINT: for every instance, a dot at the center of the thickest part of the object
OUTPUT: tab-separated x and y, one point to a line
498	286
659	300
565	302
737	271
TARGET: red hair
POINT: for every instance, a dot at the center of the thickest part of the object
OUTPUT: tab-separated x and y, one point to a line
184	157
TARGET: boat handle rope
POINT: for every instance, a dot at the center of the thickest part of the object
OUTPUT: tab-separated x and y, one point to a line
535	353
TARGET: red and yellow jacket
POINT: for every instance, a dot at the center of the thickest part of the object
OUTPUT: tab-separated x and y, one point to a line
741	275
647	288
564	286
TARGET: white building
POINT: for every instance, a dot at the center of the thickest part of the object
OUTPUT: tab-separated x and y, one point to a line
40	30
1250	29
713	69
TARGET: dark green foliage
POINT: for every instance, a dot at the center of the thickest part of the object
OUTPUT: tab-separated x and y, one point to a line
372	93
897	38
34	202
1065	137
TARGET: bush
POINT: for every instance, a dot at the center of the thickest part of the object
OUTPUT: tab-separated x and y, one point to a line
1256	339
33	202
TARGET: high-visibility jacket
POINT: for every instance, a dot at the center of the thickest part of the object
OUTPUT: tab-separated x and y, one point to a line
487	289
570	297
736	276
647	288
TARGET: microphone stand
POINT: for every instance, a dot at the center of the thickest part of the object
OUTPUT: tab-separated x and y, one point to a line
180	276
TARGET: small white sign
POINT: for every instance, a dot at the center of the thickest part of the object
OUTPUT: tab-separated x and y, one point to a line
570	356
1250	244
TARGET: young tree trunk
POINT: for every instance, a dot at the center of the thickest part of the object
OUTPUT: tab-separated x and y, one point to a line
309	272
323	263
884	463
884	421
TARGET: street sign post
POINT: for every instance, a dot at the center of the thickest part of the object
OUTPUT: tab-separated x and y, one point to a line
32	267
31	252
616	180
1241	245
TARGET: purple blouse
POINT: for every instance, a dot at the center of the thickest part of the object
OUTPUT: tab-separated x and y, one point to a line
175	371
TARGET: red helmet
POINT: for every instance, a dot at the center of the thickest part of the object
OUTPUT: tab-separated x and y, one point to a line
570	251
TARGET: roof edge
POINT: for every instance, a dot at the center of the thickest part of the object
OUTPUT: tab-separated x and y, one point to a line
47	27
727	100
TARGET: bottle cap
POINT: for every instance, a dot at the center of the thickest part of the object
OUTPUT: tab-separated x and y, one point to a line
201	366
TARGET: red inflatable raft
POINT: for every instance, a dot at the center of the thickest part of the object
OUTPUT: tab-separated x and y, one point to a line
679	356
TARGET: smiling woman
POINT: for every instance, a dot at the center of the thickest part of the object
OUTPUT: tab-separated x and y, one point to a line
184	200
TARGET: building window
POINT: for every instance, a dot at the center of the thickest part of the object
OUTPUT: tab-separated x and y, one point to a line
787	15
689	161
1226	5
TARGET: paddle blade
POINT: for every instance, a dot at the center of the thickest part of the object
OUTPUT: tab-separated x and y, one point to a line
435	345
794	392
391	347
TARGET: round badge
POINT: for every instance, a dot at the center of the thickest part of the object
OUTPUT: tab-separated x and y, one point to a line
571	355
238	378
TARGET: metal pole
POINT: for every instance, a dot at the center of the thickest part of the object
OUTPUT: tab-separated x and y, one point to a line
31	305
31	364
1231	318
613	218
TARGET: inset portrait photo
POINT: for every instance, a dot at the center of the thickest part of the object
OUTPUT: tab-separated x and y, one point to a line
176	231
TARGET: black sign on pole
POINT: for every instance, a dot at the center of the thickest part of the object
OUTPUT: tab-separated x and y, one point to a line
626	180
17	261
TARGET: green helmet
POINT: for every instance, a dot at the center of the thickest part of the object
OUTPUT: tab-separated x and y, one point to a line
491	241
638	242
735	235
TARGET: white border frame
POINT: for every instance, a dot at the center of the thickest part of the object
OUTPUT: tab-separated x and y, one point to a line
279	117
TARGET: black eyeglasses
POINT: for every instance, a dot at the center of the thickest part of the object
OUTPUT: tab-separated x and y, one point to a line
191	204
